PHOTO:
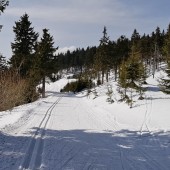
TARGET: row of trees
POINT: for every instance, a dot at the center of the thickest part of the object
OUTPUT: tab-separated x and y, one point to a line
33	59
131	60
165	82
31	62
110	54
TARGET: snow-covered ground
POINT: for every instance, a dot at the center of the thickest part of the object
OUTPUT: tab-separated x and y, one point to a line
68	131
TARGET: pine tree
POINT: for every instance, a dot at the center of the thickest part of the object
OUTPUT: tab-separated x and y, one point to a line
123	81
121	53
105	39
45	57
131	76
135	38
98	66
159	39
3	5
135	68
165	82
102	57
166	47
24	46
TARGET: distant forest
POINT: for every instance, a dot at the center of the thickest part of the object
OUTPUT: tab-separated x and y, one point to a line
34	58
116	51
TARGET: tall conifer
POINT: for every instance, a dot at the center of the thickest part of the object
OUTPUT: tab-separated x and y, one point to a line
45	57
165	82
23	47
102	57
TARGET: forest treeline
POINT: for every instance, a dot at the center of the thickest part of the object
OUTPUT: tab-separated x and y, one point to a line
34	58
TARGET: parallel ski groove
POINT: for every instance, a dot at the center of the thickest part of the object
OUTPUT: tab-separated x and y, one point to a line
33	155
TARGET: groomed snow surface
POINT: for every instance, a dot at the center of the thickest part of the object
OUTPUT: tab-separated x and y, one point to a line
68	131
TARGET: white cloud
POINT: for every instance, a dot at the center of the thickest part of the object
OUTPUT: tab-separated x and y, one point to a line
89	11
65	49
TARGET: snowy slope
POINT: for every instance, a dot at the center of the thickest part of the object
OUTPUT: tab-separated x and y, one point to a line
65	131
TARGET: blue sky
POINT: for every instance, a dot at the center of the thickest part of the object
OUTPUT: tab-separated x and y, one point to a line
80	23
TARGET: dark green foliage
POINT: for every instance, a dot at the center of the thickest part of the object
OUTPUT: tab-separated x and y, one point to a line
105	39
165	86
131	76
24	46
159	38
134	68
77	86
77	59
32	59
53	78
31	94
45	54
3	5
135	38
45	58
103	61
104	58
129	59
123	81
166	47
23	58
74	76
141	98
164	83
129	73
99	82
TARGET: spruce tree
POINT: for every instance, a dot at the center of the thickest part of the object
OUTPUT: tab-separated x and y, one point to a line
135	68
165	82
23	47
131	75
123	81
45	57
3	5
166	47
135	36
102	57
121	53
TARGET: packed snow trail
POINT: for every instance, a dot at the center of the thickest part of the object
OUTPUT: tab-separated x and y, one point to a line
84	138
73	132
32	158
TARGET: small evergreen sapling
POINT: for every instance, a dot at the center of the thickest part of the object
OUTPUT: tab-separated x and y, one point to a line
109	93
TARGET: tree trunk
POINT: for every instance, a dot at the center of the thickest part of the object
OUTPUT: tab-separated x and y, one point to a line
116	70
43	87
102	76
107	76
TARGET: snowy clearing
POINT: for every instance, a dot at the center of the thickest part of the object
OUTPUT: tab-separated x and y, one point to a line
76	132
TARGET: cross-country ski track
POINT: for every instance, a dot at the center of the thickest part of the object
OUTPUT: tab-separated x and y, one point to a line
66	131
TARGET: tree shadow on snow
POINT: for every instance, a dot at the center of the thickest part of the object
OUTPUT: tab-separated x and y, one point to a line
89	150
65	94
153	88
